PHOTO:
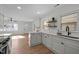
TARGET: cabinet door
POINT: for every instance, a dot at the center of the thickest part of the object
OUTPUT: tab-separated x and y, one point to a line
58	45
71	47
45	37
38	38
49	41
46	40
35	39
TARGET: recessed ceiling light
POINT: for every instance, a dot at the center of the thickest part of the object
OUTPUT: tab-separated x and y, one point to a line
38	12
19	8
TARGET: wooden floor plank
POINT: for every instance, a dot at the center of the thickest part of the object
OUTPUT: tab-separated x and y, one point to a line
20	46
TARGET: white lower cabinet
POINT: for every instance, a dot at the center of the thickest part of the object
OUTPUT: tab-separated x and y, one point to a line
71	47
60	45
43	39
47	40
53	43
34	39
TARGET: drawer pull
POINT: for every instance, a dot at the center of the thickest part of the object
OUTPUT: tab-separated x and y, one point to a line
45	36
62	43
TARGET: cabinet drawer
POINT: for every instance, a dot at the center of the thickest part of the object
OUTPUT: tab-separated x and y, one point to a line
71	47
71	50
72	42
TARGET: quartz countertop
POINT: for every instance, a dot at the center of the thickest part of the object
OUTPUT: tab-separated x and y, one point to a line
35	32
4	36
64	36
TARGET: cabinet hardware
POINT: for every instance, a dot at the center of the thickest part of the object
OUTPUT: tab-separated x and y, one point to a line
62	43
45	36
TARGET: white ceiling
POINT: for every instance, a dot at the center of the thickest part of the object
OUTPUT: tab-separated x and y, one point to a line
28	11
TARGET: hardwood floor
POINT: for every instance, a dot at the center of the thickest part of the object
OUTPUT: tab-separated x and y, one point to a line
20	46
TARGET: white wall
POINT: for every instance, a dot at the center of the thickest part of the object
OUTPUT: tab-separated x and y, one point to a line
23	27
28	27
36	25
64	10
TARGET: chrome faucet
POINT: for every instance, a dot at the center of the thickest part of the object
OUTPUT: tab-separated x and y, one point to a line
68	30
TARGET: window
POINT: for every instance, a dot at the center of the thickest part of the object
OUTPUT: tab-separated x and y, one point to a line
9	27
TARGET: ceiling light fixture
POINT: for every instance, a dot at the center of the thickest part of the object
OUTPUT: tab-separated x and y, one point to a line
19	8
38	12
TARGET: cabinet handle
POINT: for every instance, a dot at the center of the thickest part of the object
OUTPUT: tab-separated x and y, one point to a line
62	43
45	36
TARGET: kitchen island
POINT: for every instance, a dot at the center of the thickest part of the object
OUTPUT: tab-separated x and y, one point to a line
35	38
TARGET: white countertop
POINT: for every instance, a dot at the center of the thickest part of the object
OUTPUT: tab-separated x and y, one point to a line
5	34
35	32
50	33
59	35
65	37
71	38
